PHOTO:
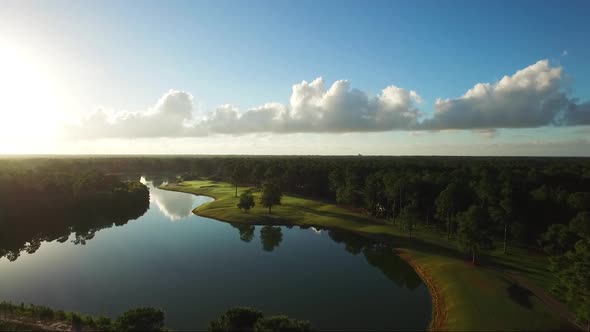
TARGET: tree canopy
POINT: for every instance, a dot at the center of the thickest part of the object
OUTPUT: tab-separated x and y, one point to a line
271	195
474	231
246	201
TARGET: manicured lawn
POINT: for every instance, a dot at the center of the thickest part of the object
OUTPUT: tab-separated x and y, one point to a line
470	297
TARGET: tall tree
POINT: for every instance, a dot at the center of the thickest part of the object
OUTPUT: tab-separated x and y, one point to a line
409	218
474	231
445	206
238	175
374	194
390	183
502	211
271	195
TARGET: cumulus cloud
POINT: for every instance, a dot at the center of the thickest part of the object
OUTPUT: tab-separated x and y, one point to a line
313	108
532	97
577	114
171	116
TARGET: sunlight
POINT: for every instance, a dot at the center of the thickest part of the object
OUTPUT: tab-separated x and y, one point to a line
29	103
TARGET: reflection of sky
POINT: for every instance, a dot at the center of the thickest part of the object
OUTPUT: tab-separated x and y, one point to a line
173	205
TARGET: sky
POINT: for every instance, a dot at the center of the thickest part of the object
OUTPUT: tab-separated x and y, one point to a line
295	77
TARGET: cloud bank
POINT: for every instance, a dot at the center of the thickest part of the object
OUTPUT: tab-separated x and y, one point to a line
532	97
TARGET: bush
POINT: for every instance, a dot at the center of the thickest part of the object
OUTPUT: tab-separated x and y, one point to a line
282	323
249	319
141	319
236	319
104	324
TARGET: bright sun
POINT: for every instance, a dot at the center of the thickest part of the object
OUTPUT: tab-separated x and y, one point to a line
28	100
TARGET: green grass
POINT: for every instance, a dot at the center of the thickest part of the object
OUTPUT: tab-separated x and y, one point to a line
469	297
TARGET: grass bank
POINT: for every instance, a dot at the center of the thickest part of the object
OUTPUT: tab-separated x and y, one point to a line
507	292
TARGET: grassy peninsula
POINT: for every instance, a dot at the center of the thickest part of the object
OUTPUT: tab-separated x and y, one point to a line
504	292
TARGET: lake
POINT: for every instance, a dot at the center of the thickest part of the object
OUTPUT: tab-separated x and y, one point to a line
195	268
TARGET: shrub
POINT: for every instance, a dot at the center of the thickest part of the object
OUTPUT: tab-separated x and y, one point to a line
236	319
282	323
141	319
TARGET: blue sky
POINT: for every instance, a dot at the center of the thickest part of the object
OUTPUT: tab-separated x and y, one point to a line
124	56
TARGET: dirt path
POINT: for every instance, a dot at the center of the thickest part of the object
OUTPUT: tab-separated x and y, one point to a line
554	305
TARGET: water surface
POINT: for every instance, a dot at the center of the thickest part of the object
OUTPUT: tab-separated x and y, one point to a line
195	268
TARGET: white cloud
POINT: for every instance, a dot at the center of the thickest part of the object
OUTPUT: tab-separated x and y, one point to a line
532	97
564	53
170	117
312	108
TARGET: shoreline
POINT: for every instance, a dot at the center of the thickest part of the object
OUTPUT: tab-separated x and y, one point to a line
438	319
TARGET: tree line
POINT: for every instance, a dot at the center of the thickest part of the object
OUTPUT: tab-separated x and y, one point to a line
521	196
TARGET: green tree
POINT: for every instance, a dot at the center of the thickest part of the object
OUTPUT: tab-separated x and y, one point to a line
573	279
503	212
392	192
579	201
409	218
271	195
474	231
580	225
238	175
246	201
445	206
374	194
558	239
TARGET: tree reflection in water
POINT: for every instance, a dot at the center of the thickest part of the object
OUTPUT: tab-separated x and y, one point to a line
246	231
379	254
271	237
25	233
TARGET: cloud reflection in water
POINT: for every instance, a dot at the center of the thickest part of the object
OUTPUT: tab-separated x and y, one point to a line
174	205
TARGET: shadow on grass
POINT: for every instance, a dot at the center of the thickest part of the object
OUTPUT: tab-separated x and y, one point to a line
336	215
520	295
495	263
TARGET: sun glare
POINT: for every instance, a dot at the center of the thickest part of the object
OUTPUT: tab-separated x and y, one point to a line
29	103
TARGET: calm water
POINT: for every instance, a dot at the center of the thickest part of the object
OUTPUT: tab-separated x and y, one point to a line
195	268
